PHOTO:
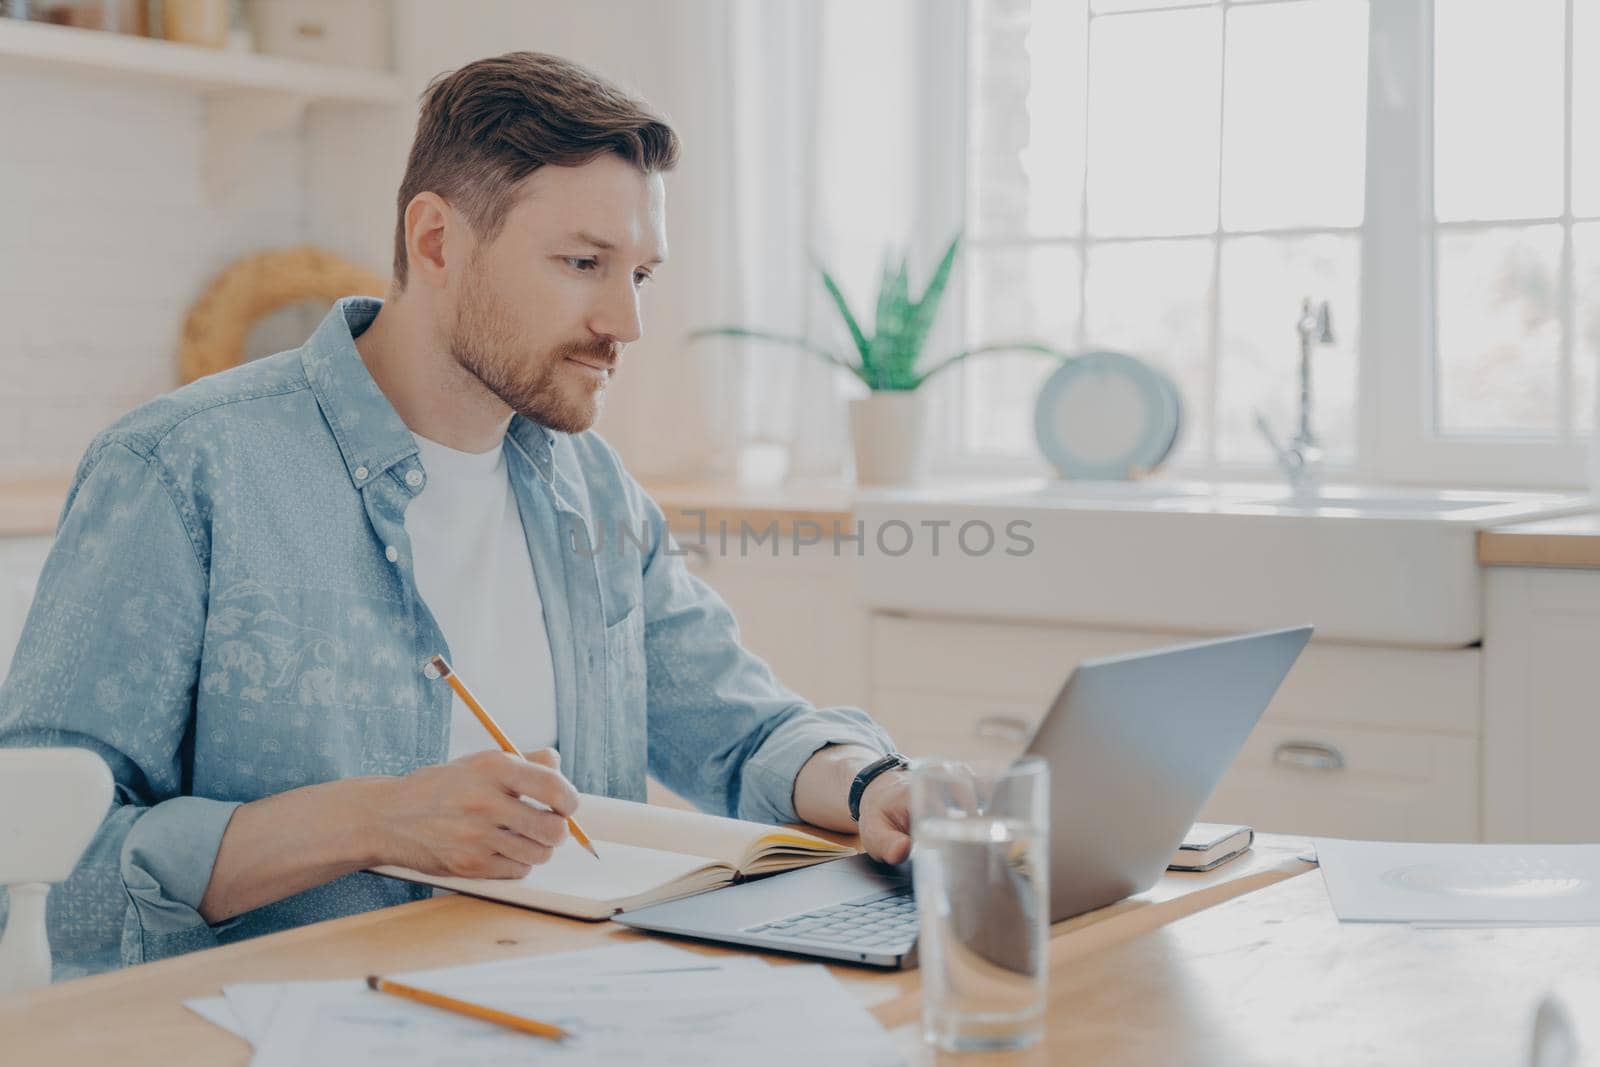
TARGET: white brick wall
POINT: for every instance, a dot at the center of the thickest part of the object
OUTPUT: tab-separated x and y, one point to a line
108	235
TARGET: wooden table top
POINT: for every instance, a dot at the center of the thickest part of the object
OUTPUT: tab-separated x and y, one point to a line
136	1016
1273	977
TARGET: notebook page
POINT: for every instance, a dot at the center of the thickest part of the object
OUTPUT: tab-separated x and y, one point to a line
730	841
623	871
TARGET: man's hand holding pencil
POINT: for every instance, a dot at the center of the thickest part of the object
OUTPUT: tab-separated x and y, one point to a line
467	817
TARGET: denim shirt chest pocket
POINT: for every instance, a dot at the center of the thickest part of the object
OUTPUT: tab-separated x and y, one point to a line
618	544
625	694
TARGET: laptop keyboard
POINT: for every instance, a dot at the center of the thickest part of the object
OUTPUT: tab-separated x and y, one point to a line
885	921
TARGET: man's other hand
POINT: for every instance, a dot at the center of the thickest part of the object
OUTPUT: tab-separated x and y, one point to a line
886	817
821	797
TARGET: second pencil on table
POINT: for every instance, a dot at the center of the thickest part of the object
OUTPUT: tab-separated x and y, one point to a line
439	664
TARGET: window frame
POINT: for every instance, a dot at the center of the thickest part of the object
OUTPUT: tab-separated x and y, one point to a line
1396	395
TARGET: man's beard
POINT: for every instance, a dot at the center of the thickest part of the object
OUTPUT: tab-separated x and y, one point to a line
483	342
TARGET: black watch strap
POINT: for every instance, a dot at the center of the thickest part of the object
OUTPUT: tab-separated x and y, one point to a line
891	762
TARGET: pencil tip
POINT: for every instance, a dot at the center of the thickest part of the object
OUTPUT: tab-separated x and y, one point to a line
372	981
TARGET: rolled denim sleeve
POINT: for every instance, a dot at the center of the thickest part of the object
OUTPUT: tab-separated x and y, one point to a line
724	732
107	661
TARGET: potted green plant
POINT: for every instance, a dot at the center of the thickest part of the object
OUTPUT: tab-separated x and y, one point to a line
888	425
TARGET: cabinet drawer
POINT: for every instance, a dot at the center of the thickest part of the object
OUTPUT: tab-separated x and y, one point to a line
1289	778
1428	690
952	725
798	612
989	660
1342	782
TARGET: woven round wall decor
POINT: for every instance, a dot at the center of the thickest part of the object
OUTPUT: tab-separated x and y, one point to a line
218	324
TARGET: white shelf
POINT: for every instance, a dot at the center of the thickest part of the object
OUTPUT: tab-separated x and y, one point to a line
208	71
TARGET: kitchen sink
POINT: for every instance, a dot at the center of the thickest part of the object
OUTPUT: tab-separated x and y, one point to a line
1372	564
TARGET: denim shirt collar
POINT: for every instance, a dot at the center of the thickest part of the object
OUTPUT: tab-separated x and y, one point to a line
371	436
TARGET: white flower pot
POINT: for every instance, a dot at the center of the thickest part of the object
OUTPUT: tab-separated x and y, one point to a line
889	432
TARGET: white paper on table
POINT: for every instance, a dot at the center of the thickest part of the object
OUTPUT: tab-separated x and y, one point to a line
251	1005
769	1015
215	1010
1462	884
256	1005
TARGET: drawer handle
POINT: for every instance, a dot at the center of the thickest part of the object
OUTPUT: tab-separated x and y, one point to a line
1309	756
1002	728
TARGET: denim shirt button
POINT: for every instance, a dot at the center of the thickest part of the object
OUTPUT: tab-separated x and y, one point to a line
430	672
413	478
361	474
390	554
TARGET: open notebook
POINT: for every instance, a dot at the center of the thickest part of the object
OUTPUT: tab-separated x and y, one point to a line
648	854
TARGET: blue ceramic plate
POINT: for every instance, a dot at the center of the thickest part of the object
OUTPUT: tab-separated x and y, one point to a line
1106	416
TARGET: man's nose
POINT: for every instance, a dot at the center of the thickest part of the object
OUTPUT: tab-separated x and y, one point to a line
618	317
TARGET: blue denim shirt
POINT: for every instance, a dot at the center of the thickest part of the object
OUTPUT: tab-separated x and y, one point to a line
229	612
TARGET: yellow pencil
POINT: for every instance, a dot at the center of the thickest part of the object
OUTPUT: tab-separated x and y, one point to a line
465	1007
499	736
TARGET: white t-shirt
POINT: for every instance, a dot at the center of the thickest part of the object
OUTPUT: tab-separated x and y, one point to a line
475	575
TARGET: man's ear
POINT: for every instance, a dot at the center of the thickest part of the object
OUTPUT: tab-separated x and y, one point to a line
429	222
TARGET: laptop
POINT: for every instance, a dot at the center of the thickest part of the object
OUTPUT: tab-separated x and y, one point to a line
1136	744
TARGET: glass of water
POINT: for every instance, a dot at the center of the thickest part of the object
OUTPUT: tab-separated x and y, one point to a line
982	872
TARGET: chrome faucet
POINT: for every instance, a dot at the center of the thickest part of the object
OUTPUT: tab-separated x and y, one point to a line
1301	458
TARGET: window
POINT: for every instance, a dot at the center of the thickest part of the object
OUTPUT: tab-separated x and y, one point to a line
1518	273
1171	179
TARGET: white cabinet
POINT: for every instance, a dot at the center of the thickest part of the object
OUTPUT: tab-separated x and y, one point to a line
21	559
1542	705
1360	741
799	611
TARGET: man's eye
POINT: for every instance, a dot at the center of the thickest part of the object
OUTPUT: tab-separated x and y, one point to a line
642	277
583	264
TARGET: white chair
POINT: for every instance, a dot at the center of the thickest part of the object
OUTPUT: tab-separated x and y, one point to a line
52	800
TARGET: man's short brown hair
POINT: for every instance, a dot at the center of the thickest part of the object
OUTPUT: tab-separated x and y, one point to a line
489	125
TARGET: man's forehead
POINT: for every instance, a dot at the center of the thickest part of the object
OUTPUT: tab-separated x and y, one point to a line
604	205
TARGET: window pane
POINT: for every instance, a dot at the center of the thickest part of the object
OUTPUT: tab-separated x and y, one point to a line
1586	345
1154	119
1027	117
1264	280
1015	294
1151	300
1498	108
1499	329
1295	128
1586	108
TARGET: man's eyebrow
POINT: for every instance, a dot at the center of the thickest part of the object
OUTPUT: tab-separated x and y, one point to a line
608	246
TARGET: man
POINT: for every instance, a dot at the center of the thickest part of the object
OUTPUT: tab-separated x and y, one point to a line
251	572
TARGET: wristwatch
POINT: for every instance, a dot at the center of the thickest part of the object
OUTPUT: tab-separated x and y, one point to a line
891	762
